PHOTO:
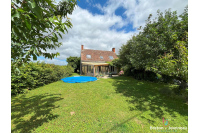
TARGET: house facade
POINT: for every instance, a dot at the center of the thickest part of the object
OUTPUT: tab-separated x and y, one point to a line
94	62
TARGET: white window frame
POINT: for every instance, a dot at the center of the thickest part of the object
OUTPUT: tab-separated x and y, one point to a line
111	57
88	56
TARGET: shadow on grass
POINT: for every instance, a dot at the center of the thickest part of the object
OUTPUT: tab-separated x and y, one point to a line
30	113
145	96
122	125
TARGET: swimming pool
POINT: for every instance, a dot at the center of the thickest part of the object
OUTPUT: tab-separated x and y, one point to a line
79	79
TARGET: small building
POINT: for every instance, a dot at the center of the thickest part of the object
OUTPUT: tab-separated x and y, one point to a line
95	62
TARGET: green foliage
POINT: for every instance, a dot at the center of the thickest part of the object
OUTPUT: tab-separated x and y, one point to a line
124	55
161	47
117	63
174	66
33	75
35	27
74	62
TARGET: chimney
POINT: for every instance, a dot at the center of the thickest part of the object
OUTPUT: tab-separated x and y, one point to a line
82	47
113	49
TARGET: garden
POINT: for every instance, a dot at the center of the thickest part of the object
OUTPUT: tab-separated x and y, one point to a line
150	95
119	104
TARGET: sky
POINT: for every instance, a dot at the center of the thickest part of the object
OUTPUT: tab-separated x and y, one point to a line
107	24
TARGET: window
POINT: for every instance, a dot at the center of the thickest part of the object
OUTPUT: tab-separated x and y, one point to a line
111	57
88	56
112	69
101	57
90	69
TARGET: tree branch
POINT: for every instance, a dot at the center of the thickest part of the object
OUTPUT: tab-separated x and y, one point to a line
13	7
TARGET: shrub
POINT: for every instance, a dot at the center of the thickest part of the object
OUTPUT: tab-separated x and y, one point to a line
121	73
33	75
167	78
140	74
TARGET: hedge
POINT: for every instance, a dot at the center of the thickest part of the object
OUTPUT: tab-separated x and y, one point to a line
33	75
141	74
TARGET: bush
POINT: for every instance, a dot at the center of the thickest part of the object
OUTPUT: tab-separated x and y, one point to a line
33	75
121	73
140	74
167	79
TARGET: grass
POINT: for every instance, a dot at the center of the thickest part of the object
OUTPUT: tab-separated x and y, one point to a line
120	104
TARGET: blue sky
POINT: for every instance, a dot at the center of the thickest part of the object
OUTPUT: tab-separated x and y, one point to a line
104	24
90	6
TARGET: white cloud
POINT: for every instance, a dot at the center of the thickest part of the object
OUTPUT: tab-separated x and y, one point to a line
53	61
137	13
93	31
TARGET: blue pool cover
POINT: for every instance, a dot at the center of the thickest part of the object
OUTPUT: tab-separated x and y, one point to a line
78	79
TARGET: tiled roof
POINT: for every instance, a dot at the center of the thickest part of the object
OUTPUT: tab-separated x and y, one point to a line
95	55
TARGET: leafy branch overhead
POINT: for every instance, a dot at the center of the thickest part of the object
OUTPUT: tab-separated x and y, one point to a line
36	26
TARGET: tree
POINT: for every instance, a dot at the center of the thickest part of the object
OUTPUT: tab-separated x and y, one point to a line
74	62
156	38
35	27
116	63
170	65
124	55
172	58
161	46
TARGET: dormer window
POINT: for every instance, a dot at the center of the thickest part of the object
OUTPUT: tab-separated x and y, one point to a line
111	57
88	56
101	57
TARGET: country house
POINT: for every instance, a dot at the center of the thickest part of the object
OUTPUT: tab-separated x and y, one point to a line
95	62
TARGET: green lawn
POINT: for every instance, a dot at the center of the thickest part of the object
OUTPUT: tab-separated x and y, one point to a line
120	104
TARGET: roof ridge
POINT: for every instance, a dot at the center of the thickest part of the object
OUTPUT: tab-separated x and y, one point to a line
98	50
